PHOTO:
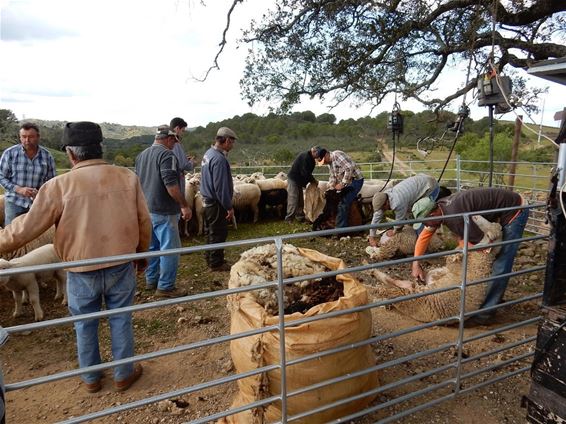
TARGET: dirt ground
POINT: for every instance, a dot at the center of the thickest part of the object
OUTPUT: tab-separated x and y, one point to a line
53	350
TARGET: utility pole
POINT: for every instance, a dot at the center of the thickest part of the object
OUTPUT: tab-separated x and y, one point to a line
515	151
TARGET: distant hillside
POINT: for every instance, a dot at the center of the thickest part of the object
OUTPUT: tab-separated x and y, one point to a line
109	130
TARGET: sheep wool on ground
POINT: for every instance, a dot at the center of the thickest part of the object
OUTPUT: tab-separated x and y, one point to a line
259	266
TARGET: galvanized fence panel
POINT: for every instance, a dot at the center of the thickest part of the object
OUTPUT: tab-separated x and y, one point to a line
460	379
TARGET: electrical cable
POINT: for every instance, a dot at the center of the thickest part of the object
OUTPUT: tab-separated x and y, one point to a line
498	82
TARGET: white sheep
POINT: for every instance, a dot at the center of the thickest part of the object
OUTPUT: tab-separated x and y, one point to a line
446	304
281	176
191	189
199	213
29	281
402	243
2	202
246	197
43	239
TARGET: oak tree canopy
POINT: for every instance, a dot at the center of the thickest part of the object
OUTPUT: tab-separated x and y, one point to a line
361	51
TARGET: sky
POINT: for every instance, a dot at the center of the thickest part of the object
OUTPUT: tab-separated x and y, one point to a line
134	62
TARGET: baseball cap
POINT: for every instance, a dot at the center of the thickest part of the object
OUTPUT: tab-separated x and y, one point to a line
226	132
421	208
165	130
321	153
378	200
82	133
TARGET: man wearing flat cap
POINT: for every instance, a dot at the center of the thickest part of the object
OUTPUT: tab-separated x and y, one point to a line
217	189
299	176
160	175
98	210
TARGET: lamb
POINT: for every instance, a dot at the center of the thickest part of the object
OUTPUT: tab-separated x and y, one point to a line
29	281
246	197
281	176
259	265
446	304
402	243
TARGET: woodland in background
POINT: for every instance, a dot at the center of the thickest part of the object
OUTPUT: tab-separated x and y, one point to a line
278	138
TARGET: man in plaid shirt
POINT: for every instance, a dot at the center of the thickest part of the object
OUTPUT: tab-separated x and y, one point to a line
24	168
345	177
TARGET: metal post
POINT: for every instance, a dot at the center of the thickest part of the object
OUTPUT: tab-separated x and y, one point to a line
490	108
515	151
460	341
282	354
458	173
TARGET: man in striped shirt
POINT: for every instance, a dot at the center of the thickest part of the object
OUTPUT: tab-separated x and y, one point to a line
345	177
24	168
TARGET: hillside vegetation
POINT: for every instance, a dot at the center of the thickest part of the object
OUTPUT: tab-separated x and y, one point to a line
277	139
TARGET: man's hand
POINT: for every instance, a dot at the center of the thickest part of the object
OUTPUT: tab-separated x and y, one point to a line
418	272
140	264
230	215
26	191
372	241
186	213
391	232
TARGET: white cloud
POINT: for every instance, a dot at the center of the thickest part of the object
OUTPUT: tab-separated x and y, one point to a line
132	62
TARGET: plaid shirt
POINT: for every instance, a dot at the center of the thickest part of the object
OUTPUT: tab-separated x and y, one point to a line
343	169
16	169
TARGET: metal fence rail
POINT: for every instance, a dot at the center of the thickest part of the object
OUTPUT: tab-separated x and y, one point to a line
458	368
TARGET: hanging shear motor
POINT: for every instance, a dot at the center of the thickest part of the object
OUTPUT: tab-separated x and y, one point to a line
395	121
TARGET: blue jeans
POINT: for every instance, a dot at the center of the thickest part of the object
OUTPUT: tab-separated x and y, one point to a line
503	263
11	210
162	271
348	196
86	291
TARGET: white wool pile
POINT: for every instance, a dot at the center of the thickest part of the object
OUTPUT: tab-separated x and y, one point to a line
259	265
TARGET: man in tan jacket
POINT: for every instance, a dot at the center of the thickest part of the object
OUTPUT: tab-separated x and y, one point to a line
98	210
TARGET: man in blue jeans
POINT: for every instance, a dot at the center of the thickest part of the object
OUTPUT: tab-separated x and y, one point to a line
160	174
24	168
346	177
512	222
106	202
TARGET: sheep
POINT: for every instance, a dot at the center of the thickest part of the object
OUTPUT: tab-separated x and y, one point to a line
402	243
191	189
259	265
281	176
45	238
199	213
2	202
446	304
273	194
246	197
369	188
29	281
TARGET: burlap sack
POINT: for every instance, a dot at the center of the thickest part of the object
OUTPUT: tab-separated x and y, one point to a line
252	352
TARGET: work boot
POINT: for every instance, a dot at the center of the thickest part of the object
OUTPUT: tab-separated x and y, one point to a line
122	385
176	292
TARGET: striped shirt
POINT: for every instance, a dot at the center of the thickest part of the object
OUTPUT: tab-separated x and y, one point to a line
343	169
403	195
16	169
